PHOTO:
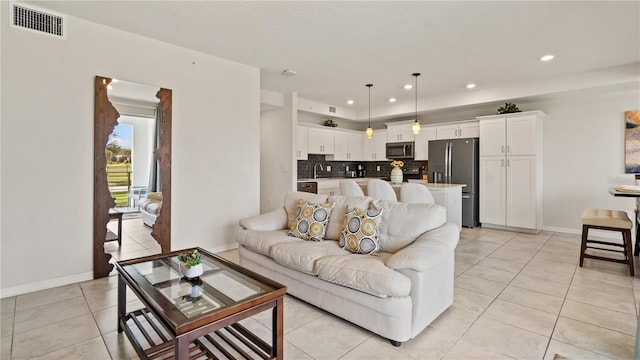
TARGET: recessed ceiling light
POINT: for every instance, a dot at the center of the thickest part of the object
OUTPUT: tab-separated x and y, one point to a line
548	57
350	102
393	99
408	87
289	72
471	85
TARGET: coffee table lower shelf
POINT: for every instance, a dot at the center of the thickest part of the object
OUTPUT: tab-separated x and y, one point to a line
151	340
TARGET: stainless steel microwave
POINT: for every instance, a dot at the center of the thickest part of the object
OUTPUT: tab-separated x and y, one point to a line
400	150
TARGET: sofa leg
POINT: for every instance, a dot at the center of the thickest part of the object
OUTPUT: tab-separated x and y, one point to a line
395	343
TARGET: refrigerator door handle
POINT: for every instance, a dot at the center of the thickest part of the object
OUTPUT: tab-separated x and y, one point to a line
450	160
446	162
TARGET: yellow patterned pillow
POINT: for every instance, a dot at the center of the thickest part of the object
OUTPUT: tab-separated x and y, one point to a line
360	234
311	220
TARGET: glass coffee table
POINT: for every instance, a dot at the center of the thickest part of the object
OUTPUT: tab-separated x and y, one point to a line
199	317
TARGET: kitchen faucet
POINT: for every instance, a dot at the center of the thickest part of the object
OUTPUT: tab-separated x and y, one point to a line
315	168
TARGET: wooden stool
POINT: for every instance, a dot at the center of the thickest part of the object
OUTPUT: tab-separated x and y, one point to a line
611	220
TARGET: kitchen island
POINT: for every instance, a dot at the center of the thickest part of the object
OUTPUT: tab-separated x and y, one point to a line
447	195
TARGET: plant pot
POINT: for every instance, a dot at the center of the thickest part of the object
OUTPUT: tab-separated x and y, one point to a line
192	272
396	175
196	291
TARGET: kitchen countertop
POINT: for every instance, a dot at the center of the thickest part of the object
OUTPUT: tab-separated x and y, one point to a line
437	185
423	182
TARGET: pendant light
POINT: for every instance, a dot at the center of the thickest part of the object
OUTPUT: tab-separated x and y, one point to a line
369	132
415	128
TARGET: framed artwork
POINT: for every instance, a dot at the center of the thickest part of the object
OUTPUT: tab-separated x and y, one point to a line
632	142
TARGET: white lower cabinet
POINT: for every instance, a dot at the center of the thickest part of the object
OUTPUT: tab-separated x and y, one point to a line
509	191
329	187
521	192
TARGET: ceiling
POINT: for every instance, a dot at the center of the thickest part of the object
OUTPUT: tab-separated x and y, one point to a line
337	47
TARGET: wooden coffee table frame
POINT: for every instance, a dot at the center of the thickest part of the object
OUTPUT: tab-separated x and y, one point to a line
168	331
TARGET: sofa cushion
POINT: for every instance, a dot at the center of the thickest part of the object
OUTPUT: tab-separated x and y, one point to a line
151	206
365	273
360	233
311	220
402	223
302	255
291	199
336	221
261	241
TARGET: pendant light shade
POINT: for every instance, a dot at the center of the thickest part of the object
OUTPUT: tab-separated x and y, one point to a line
415	128
369	132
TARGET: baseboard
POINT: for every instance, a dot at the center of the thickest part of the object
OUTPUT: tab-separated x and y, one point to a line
593	232
221	248
45	284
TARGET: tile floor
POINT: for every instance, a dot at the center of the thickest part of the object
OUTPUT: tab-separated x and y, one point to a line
517	296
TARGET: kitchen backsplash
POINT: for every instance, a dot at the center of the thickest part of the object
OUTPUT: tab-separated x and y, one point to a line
338	168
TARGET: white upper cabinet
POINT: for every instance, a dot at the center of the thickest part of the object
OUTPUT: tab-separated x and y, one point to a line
320	141
301	144
421	149
457	131
375	149
509	136
348	146
399	133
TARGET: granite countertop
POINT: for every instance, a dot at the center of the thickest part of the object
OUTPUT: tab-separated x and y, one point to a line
437	185
423	182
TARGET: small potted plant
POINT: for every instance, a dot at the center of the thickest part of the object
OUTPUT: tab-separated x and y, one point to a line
508	108
330	123
191	264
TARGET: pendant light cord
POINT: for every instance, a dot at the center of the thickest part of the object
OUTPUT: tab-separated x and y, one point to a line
416	76
369	86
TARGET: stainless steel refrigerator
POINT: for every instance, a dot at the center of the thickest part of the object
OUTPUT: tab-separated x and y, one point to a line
455	161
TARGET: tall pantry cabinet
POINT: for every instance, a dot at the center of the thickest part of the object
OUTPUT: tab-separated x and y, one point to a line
511	170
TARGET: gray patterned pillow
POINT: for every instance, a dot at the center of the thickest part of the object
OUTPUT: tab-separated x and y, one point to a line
360	234
311	220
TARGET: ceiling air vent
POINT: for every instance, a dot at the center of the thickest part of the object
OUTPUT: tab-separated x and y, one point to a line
39	21
332	109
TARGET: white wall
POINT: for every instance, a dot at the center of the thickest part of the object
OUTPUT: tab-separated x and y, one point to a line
48	115
583	150
277	146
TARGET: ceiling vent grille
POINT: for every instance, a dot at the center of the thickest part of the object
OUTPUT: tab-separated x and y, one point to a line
36	20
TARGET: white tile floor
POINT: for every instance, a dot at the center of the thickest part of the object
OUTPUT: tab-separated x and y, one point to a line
517	296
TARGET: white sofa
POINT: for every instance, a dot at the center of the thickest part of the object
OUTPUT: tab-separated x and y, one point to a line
395	295
150	207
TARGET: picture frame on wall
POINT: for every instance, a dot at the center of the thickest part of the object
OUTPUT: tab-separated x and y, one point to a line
632	142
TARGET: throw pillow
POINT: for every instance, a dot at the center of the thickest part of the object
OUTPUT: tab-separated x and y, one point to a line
310	221
360	234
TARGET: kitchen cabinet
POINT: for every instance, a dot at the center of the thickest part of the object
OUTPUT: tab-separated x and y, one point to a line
457	131
510	170
375	149
301	144
399	132
422	142
320	141
348	146
329	187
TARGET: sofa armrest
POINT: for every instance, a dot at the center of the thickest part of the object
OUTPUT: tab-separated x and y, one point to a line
428	250
272	220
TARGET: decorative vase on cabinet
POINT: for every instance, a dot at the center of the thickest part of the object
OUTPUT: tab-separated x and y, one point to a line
396	175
